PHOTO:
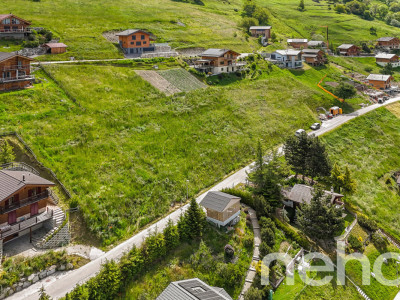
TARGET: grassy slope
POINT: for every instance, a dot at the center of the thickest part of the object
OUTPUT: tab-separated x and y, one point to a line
129	150
370	146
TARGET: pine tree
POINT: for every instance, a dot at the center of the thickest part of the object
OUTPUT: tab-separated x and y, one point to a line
183	229
6	153
318	164
320	218
171	235
301	5
349	184
194	219
296	151
337	178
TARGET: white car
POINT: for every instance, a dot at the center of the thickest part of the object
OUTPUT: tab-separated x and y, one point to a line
299	132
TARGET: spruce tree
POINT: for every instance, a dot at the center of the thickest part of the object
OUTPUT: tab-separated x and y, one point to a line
337	178
349	184
194	219
320	218
183	229
171	235
318	164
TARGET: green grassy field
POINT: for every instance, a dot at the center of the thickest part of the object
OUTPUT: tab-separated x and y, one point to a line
370	146
127	150
181	79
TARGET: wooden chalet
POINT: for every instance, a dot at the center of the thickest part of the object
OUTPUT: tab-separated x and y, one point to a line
15	71
383	59
379	81
316	44
55	48
298	43
24	201
263	31
222	209
136	41
349	50
12	26
301	193
388	43
314	57
216	61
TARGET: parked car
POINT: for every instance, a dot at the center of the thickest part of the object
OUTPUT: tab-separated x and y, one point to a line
299	132
329	116
385	98
380	100
315	126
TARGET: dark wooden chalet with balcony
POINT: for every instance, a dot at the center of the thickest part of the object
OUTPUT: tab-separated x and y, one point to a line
24	201
15	71
349	50
216	61
388	43
12	26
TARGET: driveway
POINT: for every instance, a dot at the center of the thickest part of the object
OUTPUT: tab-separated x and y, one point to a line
58	287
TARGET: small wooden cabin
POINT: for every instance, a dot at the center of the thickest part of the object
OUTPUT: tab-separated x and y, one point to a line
298	43
222	209
55	48
349	50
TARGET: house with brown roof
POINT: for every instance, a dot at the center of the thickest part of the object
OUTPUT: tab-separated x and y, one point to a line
136	41
301	193
379	81
383	59
216	61
264	31
298	43
15	71
55	48
222	209
388	43
12	26
25	200
349	50
314	57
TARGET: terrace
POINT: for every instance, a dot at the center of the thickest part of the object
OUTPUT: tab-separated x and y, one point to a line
25	202
11	30
17	78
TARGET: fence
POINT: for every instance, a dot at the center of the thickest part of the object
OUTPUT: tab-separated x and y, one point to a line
67	193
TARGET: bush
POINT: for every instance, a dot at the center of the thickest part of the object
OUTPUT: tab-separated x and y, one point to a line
379	240
292	234
247	242
229	251
355	243
246	197
367	223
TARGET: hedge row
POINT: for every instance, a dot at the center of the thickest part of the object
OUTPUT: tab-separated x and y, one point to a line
294	235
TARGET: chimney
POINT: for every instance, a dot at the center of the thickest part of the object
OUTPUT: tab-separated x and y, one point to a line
23	177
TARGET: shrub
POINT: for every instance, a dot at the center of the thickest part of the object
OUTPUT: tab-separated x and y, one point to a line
367	223
355	243
379	240
292	234
247	242
229	251
246	197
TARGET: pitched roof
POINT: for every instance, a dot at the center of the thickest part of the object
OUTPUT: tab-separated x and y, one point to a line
192	289
315	43
55	45
301	193
297	40
8	55
131	31
11	15
213	52
312	51
378	77
260	27
13	181
218	201
288	52
345	46
385	39
385	55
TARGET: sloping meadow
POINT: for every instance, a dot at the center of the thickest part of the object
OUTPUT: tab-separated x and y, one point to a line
127	150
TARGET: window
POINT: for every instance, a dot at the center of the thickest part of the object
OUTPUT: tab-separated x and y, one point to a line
144	43
6	74
222	69
132	43
222	62
142	37
134	37
138	43
15	21
6	21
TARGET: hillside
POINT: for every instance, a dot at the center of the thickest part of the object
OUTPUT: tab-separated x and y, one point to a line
211	23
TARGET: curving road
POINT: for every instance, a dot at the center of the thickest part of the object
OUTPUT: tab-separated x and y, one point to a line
61	284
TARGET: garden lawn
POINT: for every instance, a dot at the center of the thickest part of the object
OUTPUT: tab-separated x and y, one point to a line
126	151
369	145
191	261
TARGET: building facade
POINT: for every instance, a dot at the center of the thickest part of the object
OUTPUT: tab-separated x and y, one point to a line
349	50
12	26
263	31
15	71
383	59
135	41
298	43
217	61
55	48
388	43
314	57
289	58
379	81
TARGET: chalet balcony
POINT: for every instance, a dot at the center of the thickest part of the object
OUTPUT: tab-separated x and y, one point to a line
25	68
25	202
17	78
24	30
8	230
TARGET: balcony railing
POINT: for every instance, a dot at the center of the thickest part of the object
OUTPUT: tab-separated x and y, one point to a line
19	78
25	202
25	30
15	67
17	227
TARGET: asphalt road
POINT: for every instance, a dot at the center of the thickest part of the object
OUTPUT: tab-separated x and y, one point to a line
57	286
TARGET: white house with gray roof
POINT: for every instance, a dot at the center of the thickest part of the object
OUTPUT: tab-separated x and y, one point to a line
193	289
222	209
289	58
